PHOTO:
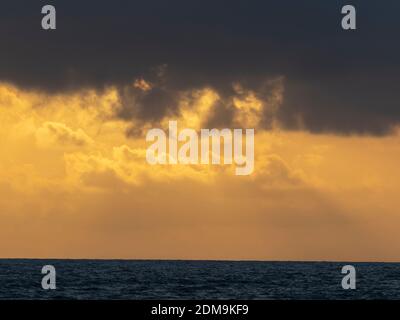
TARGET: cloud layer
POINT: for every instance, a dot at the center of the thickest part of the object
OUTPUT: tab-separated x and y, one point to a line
335	80
75	104
73	184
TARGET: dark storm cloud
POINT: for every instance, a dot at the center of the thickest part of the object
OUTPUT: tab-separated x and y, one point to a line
151	105
335	80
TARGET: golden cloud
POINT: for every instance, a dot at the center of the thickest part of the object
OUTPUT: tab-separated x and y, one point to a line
90	192
56	133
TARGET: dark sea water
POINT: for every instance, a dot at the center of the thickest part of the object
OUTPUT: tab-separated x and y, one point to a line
136	279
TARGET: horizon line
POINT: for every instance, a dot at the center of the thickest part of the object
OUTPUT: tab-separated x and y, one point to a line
207	260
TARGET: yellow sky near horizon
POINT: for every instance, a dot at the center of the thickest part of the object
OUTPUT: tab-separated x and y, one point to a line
74	185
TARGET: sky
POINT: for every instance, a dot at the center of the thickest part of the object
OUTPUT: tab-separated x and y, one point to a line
76	103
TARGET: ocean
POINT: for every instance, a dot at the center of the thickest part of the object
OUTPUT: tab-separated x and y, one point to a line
153	279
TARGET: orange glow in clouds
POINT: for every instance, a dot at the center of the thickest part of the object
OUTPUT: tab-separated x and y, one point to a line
74	185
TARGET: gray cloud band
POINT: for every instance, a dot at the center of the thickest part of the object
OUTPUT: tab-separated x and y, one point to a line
334	81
